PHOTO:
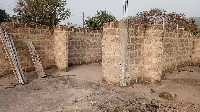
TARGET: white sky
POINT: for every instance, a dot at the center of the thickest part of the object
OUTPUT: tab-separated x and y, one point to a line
190	7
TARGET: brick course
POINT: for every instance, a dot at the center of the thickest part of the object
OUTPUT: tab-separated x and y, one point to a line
196	51
77	46
57	46
84	46
148	55
42	38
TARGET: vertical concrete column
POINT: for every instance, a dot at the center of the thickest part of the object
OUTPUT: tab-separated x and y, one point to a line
61	48
123	29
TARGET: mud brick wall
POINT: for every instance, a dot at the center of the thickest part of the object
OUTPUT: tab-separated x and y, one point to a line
61	48
144	54
42	38
77	46
84	46
57	46
149	54
5	67
152	55
196	51
111	53
134	53
170	52
177	49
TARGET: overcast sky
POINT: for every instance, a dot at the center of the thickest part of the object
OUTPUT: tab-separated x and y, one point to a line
190	7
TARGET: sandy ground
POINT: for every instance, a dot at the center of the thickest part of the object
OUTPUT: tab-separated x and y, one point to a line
81	90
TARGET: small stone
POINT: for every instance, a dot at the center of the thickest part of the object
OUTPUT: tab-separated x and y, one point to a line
167	96
152	91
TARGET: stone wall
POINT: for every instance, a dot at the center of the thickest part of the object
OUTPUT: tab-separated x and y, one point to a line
149	54
42	38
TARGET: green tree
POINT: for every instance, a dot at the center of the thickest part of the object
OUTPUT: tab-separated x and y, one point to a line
4	17
45	12
97	21
155	16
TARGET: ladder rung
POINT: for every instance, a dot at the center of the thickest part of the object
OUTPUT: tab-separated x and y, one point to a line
12	54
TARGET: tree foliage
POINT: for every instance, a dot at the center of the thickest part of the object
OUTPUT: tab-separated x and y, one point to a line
97	21
4	17
155	16
45	12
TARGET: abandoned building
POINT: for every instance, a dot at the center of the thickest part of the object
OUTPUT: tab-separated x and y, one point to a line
129	52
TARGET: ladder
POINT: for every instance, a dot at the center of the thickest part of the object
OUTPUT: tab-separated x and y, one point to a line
36	59
11	52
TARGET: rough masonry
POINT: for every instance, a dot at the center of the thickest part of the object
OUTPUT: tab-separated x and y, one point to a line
130	53
41	36
149	53
60	46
